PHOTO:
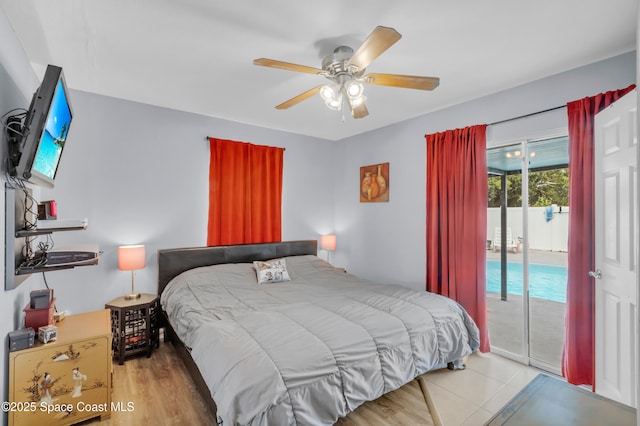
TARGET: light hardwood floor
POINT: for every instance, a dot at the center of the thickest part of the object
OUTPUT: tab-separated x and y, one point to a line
162	393
404	406
159	389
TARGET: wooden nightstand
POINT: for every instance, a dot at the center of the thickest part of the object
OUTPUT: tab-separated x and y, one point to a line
135	325
71	376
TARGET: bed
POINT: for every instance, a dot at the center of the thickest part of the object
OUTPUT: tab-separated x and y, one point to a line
307	350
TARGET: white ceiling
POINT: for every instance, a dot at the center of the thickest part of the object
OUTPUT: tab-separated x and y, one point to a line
196	55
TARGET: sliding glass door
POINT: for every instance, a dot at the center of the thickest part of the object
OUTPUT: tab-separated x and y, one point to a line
526	260
507	330
548	233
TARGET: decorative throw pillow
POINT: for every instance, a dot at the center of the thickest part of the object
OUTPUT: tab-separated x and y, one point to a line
271	271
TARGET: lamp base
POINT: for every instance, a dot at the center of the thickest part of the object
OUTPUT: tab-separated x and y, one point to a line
131	296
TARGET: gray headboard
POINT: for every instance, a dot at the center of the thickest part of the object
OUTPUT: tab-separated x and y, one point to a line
172	262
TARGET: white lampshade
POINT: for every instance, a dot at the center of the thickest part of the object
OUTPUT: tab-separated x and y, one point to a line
131	258
328	242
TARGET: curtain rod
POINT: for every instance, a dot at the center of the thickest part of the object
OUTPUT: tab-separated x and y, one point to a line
206	138
526	115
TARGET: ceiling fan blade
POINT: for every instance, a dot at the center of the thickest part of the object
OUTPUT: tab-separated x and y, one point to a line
272	63
297	99
375	45
406	81
359	111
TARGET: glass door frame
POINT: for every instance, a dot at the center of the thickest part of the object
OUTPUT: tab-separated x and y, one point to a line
525	356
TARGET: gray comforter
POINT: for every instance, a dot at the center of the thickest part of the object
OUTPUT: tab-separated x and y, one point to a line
312	349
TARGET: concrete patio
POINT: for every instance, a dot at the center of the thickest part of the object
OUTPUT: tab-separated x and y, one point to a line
546	323
545	257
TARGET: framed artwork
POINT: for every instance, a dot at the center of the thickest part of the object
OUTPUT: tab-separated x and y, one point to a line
374	183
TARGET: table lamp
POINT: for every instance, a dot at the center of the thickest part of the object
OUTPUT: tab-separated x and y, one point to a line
328	243
131	258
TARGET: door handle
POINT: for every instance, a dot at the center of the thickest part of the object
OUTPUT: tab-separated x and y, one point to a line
597	274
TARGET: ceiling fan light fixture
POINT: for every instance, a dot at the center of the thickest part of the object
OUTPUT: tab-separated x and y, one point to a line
330	92
354	88
357	101
332	96
345	68
335	104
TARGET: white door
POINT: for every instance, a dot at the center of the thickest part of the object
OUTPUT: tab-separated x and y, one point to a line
616	267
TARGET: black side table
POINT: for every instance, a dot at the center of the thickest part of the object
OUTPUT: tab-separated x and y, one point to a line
135	325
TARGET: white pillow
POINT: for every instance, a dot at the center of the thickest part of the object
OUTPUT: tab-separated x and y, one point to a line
271	271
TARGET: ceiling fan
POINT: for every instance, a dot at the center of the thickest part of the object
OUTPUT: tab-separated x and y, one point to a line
345	69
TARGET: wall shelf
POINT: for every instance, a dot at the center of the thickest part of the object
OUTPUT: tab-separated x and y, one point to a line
16	240
35	232
27	270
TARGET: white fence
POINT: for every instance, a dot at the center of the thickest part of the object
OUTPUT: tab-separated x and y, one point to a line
543	235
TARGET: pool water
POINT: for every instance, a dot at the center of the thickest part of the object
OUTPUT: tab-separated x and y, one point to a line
545	281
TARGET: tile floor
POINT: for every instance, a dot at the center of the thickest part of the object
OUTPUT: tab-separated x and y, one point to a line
472	396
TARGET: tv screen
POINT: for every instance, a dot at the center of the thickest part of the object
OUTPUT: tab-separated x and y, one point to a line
45	130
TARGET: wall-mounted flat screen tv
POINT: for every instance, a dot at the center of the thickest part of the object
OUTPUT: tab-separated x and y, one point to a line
45	130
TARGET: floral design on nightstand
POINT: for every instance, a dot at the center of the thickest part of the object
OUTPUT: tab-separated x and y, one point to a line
68	354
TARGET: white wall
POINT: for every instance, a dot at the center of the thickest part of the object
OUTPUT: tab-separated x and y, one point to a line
386	241
140	175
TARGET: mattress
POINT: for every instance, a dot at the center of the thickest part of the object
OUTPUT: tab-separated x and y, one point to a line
312	349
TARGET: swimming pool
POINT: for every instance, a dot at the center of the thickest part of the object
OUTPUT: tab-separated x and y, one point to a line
545	281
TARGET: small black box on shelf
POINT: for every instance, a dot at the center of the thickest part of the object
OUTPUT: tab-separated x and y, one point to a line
40	298
21	339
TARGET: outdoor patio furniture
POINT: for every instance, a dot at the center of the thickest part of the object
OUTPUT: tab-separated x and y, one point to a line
497	240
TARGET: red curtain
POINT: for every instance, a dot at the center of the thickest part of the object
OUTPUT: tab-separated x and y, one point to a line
578	356
457	220
245	193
